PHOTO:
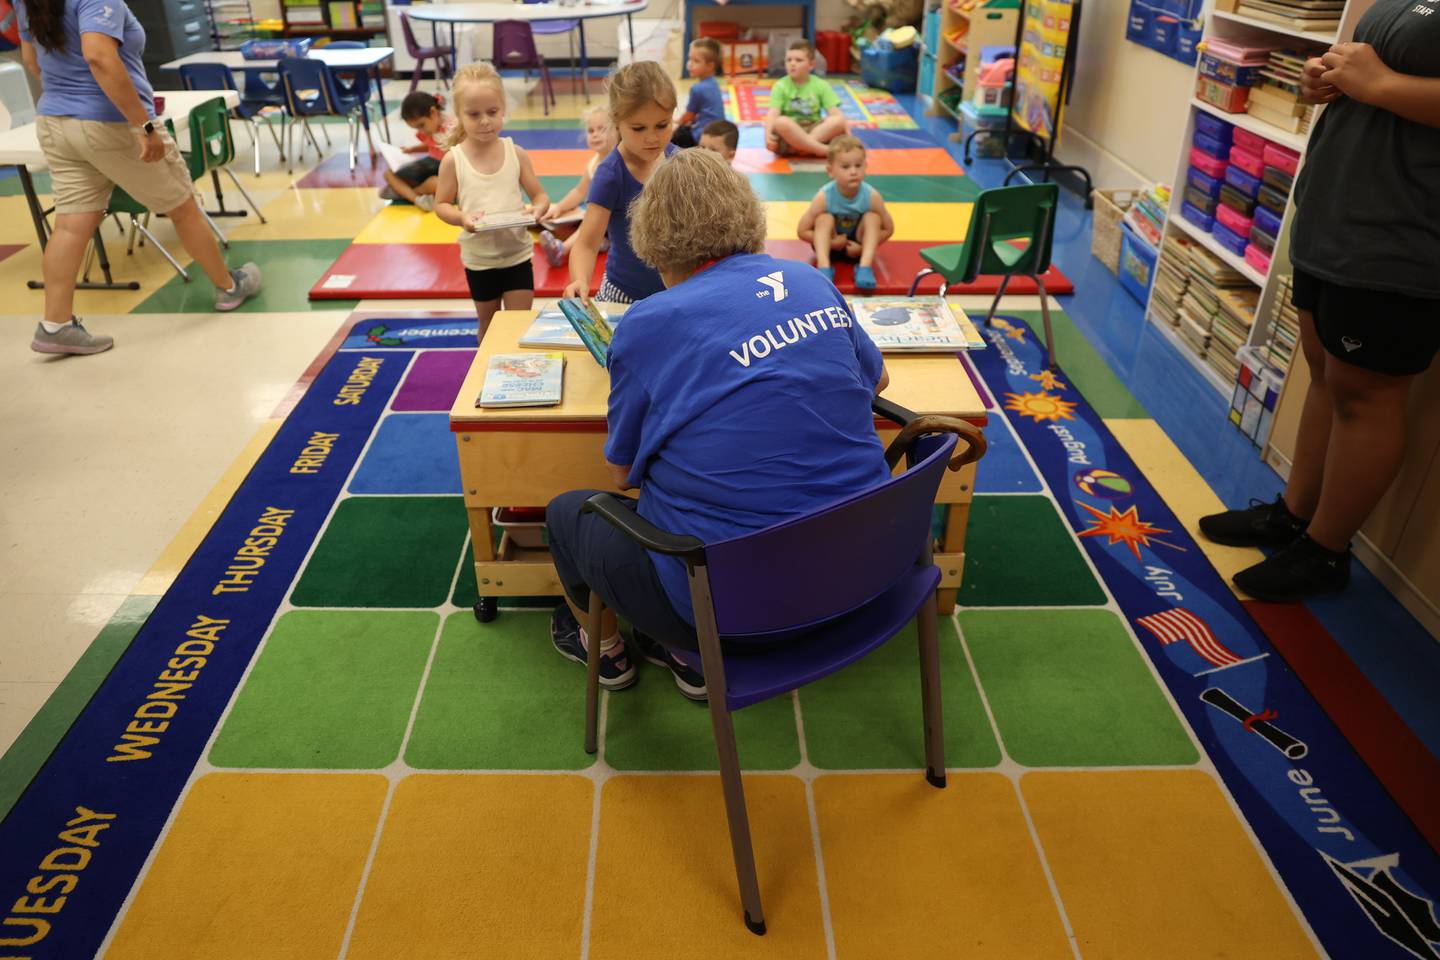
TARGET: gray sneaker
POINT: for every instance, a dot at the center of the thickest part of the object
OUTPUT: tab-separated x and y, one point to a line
247	285
71	338
426	202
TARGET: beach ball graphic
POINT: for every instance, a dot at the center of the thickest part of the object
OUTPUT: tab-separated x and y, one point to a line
1103	483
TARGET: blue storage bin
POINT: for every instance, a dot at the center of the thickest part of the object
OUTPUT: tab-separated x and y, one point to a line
1137	263
1198	217
275	49
1137	26
892	70
1202	181
1229	239
931	35
1242	181
927	74
1200	200
1186	40
1267	221
1215	128
1214	146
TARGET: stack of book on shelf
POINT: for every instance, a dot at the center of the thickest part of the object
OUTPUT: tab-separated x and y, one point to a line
343	15
1277	99
1309	16
304	14
1284	327
1172	276
1230	328
1147	214
1209	276
372	15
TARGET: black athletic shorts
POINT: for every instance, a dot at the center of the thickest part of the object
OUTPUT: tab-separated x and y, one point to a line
490	284
1372	329
418	171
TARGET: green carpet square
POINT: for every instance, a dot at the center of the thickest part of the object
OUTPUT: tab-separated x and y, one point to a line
652	726
1069	688
868	715
385	552
289	268
500	698
331	690
1018	552
467	593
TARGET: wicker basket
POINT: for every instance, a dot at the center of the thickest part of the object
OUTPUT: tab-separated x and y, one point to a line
1110	207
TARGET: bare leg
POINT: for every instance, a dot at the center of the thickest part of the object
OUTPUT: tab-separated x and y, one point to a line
518	299
200	243
427	185
485	309
828	129
62	261
822	236
869	234
1302	492
800	140
1367	446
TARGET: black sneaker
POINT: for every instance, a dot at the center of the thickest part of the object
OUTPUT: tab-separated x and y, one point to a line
1302	569
690	681
616	670
1260	525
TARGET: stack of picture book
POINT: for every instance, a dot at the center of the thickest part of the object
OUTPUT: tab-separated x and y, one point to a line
1209	278
1276	99
914	325
553	330
1230	328
523	380
1309	16
1284	326
1172	277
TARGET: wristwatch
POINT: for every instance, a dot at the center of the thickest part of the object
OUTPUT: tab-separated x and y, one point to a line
146	129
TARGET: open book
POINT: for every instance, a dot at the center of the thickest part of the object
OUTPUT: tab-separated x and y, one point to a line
913	325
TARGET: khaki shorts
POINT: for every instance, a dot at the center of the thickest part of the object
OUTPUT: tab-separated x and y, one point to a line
784	149
89	158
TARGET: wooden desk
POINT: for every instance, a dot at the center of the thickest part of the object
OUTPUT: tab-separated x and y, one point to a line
527	456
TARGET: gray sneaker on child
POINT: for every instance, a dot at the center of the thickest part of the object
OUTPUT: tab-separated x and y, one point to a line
72	338
425	201
247	284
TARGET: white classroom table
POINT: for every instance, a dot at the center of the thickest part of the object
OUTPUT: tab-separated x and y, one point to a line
367	59
20	148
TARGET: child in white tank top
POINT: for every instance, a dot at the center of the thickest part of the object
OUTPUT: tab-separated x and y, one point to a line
481	179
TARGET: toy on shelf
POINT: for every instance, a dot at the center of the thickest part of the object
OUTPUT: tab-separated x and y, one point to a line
992	83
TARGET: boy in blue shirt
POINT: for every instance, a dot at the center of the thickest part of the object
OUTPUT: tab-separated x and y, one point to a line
706	105
847	215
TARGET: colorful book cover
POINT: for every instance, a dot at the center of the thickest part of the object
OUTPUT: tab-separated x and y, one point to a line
914	325
592	326
552	331
523	380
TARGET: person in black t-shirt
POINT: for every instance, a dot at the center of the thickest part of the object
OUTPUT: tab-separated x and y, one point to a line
1366	251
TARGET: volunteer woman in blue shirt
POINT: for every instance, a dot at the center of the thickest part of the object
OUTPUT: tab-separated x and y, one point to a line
1366	252
739	396
97	128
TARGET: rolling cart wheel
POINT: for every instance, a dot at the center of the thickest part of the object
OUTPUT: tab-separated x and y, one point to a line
486	610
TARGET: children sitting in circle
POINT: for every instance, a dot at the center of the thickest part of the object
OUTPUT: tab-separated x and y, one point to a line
848	215
721	136
416	181
804	111
599	137
642	107
706	104
481	177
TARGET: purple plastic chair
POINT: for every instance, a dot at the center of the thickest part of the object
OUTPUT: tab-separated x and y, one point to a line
515	49
554	28
443	56
870	554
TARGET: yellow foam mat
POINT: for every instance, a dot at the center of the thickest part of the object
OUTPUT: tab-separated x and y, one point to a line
400	223
895	848
1182	489
490	866
256	865
922	222
1155	864
307	214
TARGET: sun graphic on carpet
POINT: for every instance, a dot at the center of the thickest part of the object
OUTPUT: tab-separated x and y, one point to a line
1126	528
1040	406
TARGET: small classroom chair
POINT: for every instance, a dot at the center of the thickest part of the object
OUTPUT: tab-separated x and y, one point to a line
349	81
875	548
257	107
311	91
212	148
122	204
554	28
515	49
1011	232
444	56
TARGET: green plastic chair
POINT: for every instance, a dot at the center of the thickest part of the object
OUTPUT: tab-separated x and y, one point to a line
211	149
1011	232
122	204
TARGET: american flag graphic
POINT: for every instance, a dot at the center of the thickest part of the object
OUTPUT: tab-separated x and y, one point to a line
1180	624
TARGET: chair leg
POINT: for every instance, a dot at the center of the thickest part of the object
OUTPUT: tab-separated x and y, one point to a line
735	812
310	132
592	673
163	252
89	259
329	144
927	627
350	137
1045	319
130	239
244	193
369	136
995	304
914	284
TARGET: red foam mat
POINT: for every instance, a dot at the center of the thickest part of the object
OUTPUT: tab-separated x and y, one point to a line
402	271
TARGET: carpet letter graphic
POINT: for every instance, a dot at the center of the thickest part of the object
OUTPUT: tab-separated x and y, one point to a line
1040	406
1179	624
1257	723
1126	528
1404	917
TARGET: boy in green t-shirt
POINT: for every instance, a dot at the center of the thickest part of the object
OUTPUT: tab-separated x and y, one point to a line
804	112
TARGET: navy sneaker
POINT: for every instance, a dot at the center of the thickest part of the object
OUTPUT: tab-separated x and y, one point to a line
690	681
1259	525
616	670
1302	569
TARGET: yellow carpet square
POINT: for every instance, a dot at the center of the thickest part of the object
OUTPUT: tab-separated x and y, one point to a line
400	223
256	865
920	222
913	871
664	850
1166	846
485	866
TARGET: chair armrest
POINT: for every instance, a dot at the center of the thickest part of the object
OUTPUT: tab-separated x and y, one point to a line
972	436
892	411
619	513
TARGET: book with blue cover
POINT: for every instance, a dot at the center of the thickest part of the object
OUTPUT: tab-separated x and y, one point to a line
551	330
523	380
592	325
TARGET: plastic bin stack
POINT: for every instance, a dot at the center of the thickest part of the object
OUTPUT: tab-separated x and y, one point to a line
1228	70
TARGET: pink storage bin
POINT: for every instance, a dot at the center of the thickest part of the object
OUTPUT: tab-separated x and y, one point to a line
1207	163
1248	160
1257	258
1282	158
1234	219
1250	141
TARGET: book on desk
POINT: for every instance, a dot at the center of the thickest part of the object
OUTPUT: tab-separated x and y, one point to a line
523	380
913	325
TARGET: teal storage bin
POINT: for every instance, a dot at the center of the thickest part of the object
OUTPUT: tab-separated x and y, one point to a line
1137	263
892	70
927	73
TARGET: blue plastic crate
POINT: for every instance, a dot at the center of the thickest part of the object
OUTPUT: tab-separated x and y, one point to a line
927	74
892	70
1202	181
1229	239
1242	181
1216	128
1267	221
1211	145
1137	263
1198	217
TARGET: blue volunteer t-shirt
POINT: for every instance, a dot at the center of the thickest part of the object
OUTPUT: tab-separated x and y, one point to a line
613	187
736	419
707	105
70	88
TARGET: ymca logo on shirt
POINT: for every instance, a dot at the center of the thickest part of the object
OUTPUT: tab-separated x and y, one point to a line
775	283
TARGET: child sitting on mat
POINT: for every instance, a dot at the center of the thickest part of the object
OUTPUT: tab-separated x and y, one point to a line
599	137
723	137
642	107
481	178
804	111
847	215
706	103
416	181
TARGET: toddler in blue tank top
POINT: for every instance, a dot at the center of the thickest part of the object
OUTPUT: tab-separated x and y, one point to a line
848	215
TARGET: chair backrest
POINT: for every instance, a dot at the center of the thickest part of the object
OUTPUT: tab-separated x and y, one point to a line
805	571
309	88
514	45
408	31
346	45
17	106
1013	229
207	76
211	145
